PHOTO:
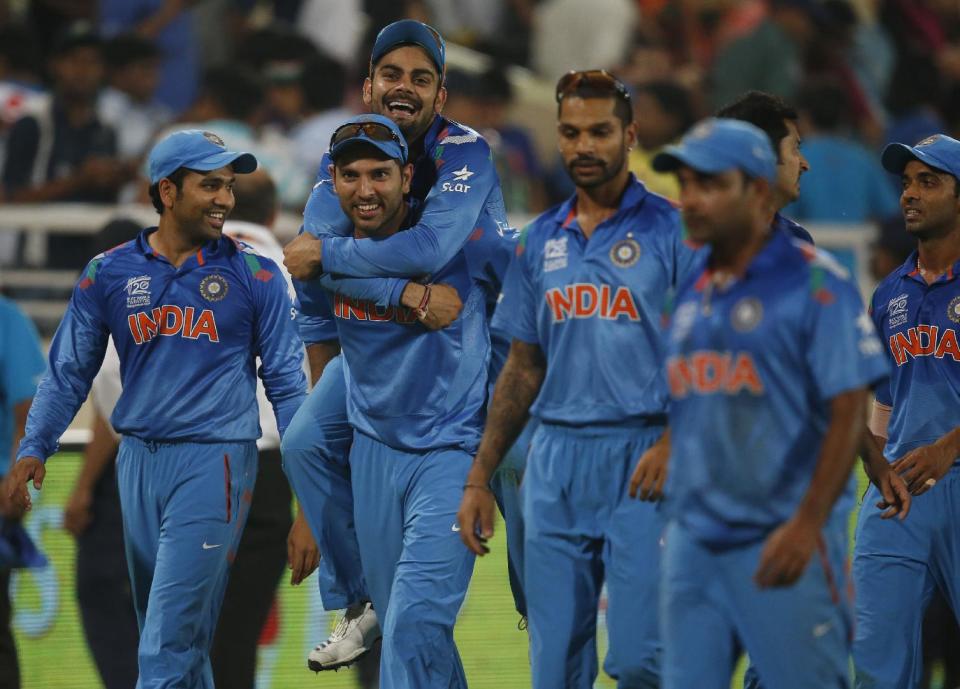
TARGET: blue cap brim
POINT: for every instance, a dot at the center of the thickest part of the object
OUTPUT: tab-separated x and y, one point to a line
673	157
242	163
896	156
390	148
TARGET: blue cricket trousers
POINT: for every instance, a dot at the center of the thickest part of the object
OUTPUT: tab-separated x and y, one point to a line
184	506
583	528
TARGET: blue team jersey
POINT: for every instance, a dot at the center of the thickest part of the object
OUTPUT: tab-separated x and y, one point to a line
21	365
409	387
752	369
454	177
785	224
595	307
187	338
918	323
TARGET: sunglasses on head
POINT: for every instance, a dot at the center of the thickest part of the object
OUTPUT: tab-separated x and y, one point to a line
598	79
372	130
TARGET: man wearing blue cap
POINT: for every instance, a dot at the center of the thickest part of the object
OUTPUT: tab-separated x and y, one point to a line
582	303
455	179
414	434
189	311
769	359
916	423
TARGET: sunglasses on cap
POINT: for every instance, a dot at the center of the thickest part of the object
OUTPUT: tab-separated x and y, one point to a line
598	79
373	130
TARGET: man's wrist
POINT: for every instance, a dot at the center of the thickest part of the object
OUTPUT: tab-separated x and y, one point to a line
412	295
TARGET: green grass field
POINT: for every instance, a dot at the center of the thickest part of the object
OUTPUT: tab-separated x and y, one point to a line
54	655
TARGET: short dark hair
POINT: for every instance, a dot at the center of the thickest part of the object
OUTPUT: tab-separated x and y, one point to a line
763	110
256	199
622	108
177	177
674	99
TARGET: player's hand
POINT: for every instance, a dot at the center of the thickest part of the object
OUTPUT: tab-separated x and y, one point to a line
78	513
786	552
923	467
8	509
25	469
303	556
475	518
896	496
302	256
443	307
650	473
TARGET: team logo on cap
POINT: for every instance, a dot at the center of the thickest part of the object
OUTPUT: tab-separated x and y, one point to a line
929	140
953	310
746	314
214	139
625	253
214	287
701	131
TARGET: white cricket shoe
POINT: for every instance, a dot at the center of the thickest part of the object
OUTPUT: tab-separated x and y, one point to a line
354	635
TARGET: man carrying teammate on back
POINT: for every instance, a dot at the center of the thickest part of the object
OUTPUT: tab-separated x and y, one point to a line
582	301
456	182
770	355
189	311
415	432
916	424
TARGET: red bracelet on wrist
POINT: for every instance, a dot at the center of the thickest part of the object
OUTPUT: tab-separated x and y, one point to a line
424	301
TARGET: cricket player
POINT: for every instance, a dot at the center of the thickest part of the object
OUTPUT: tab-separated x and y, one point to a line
770	357
462	208
582	302
916	422
189	311
415	399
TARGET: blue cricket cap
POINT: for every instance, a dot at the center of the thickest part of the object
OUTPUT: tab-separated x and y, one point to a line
198	150
938	151
374	130
410	32
719	144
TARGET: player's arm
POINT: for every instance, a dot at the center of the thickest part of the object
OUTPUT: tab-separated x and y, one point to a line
278	345
788	549
99	453
75	356
448	219
516	389
922	467
844	358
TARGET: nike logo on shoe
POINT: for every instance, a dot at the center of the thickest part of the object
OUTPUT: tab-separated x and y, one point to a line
455	527
207	546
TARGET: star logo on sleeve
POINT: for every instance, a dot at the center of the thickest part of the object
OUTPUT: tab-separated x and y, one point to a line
462	175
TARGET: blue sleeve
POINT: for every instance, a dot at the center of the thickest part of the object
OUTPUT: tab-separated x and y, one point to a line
314	318
277	345
380	291
843	350
686	255
882	390
466	180
516	313
22	362
75	357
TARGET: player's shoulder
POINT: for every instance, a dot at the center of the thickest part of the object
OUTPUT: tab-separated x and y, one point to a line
456	139
10	312
889	290
250	262
544	227
820	274
115	261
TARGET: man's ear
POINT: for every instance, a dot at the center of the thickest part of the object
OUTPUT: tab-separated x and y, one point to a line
367	92
406	173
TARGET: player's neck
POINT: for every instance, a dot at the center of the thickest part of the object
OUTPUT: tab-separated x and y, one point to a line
936	255
733	255
172	244
596	204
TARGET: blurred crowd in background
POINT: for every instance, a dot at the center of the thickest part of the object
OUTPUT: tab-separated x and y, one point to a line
87	85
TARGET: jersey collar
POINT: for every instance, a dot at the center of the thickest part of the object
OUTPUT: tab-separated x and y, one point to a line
208	251
908	270
633	195
770	257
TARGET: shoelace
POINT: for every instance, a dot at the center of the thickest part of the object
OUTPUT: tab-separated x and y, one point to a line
338	633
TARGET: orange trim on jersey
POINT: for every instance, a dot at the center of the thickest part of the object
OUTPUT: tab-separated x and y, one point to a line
226	483
828	571
200	260
571	216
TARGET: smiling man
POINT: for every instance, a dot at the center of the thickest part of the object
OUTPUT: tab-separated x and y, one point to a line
189	311
462	208
415	400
